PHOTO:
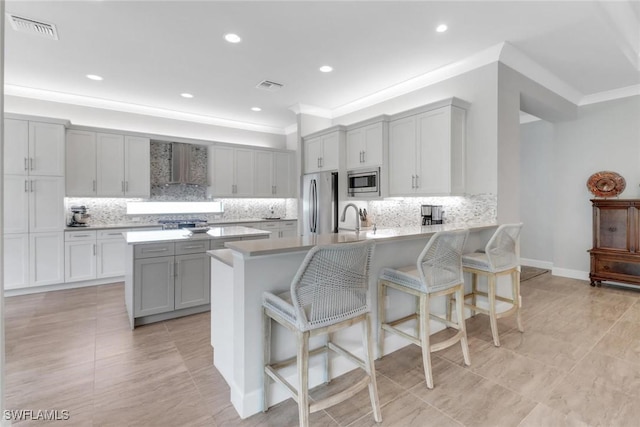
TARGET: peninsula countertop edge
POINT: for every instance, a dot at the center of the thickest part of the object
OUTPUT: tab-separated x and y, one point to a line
254	248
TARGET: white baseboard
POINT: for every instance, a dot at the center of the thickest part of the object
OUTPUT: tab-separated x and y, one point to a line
547	265
572	274
62	286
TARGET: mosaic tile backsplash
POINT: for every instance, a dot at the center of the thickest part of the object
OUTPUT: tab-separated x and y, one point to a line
385	213
105	211
161	174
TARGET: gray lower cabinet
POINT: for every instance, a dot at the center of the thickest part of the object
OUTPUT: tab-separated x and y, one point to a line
168	277
154	285
192	271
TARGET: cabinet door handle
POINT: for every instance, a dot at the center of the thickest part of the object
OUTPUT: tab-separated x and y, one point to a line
176	269
95	251
94	185
26	164
126	186
318	161
363	156
32	186
114	234
81	235
26	186
172	269
413	181
122	186
30	163
417	177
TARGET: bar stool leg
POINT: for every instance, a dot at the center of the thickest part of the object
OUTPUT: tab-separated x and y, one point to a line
462	325
382	296
303	378
492	309
266	359
327	364
370	367
515	279
423	321
474	289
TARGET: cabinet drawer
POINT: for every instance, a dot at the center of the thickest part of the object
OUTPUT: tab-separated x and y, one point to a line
152	250
268	226
192	247
614	267
111	234
70	236
288	224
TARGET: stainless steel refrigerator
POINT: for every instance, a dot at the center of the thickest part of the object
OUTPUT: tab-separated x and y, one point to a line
320	203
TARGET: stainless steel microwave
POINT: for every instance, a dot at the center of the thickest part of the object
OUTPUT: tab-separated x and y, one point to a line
363	183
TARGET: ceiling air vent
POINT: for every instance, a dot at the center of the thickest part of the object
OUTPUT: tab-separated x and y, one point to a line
31	26
269	85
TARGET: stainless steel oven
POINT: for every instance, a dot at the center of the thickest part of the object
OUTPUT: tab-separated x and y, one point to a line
363	183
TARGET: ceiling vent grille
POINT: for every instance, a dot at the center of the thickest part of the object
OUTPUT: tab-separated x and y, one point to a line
269	85
26	25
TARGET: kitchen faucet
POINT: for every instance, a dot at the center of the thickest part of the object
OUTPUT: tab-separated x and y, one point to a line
344	215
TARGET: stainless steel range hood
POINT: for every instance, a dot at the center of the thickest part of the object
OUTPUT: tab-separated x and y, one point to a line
184	165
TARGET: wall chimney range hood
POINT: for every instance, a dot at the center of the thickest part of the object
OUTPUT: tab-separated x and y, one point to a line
184	166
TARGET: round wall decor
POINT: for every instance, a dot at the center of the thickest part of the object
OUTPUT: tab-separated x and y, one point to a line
606	184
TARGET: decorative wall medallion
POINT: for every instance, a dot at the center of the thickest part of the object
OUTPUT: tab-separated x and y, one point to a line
606	184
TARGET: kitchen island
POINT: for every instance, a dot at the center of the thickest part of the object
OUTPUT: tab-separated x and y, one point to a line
244	270
167	271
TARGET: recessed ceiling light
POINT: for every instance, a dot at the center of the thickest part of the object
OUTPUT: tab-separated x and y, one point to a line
256	109
94	77
442	28
186	95
232	38
326	69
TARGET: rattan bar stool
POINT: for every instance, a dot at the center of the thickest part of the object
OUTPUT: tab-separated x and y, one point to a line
499	258
328	293
438	272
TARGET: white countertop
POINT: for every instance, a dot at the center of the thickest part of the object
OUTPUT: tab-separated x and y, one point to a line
293	244
214	233
214	223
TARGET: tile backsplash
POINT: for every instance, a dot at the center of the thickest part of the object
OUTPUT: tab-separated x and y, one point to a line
106	211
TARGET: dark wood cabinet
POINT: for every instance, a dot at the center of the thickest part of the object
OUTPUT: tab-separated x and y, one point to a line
615	255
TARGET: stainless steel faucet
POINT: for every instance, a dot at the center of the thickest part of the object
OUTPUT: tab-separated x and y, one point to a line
344	215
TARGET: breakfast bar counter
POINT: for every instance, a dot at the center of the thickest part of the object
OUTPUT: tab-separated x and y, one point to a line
241	274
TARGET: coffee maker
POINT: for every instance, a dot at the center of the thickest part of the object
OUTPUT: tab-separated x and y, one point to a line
79	216
431	214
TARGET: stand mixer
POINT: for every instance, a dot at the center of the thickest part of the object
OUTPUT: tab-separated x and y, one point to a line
79	216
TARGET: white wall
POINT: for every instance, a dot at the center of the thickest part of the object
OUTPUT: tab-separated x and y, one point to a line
102	118
537	210
605	136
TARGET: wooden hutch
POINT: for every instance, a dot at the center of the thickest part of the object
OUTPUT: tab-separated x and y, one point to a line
615	255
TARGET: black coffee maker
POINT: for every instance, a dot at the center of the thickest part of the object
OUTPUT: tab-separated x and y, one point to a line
431	214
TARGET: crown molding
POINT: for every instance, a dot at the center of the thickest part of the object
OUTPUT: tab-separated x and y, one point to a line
85	101
311	110
478	60
610	95
526	66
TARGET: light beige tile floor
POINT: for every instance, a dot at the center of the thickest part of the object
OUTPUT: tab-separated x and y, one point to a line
576	364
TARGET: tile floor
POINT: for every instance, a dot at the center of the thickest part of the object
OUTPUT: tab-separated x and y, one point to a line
577	364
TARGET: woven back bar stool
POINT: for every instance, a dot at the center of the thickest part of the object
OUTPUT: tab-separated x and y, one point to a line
328	293
437	272
499	258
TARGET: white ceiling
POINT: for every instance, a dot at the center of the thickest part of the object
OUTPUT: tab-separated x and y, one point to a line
151	51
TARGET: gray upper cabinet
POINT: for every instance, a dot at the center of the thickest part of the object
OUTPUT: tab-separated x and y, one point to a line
107	165
33	148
